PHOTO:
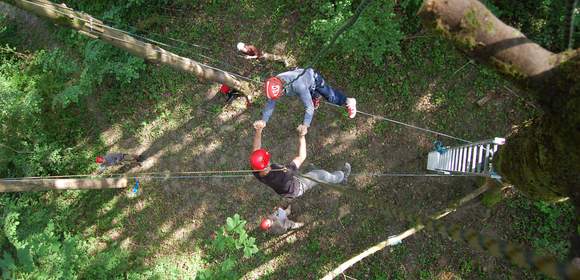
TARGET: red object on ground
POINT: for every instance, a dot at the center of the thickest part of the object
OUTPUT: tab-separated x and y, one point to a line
224	89
259	159
274	88
265	224
100	159
251	50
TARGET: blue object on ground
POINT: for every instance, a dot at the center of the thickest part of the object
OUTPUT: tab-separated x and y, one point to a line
136	187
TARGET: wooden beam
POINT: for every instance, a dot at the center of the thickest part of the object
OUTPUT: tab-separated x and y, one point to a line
61	184
94	28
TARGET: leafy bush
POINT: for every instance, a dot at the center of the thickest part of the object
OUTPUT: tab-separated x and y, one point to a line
542	21
36	248
375	34
231	242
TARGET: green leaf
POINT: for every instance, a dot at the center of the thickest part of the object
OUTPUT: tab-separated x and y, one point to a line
243	237
230	224
25	259
228	265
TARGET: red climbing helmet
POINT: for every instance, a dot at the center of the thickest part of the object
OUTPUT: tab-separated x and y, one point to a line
224	89
274	88
259	159
100	159
265	224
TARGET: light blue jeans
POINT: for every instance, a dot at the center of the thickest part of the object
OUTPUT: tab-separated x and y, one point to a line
320	175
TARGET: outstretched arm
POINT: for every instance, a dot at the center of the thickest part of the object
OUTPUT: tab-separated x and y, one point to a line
259	126
308	107
301	149
268	110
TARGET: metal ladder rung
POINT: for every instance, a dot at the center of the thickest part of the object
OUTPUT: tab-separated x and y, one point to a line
480	159
486	159
474	159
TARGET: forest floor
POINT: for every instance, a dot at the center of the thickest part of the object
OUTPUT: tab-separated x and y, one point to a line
178	124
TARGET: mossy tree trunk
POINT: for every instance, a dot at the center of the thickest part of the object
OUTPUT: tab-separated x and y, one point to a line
542	156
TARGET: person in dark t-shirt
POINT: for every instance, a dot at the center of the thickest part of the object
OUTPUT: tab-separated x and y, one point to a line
284	179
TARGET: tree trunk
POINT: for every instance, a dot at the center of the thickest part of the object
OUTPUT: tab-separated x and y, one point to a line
94	28
547	77
541	157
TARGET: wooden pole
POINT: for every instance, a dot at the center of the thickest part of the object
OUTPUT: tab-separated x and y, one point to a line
394	240
94	28
61	184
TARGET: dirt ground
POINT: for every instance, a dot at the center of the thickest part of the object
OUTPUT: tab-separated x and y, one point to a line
182	214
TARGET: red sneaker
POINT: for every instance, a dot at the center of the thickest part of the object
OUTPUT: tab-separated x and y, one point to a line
351	107
316	102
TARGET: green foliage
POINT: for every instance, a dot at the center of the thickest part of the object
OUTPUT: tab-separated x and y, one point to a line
492	197
546	226
31	141
375	34
542	21
37	247
40	106
231	242
3	26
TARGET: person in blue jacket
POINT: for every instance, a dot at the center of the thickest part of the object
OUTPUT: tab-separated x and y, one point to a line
308	85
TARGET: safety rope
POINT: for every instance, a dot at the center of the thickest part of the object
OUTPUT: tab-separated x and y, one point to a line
48	7
223	63
405	124
152	33
215	173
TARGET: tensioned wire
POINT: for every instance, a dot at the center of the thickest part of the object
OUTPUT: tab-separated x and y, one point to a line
210	174
405	124
223	63
91	23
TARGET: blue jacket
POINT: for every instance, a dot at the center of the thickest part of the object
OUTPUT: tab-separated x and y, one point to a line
300	88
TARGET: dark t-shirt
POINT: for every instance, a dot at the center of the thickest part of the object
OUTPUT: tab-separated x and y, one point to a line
282	182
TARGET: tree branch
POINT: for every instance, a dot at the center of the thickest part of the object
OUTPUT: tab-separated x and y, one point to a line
481	35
